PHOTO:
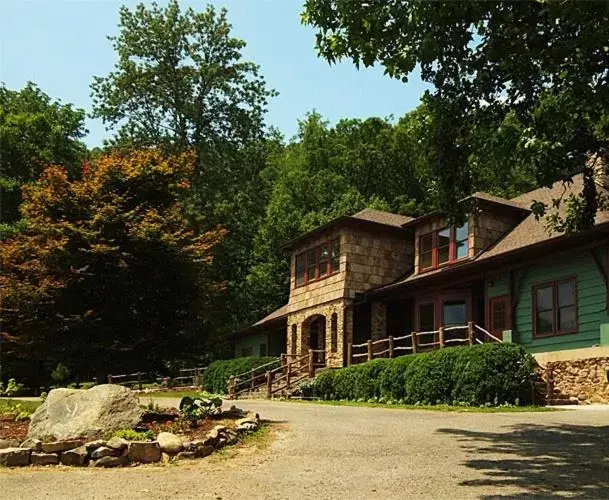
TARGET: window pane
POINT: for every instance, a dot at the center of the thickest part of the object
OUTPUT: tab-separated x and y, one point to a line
567	318
311	264
462	233
545	320
443	254
426	243
462	249
566	294
454	313
426	260
300	270
426	318
323	260
335	259
544	298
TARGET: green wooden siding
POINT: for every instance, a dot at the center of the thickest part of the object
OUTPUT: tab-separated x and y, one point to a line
591	302
497	286
249	345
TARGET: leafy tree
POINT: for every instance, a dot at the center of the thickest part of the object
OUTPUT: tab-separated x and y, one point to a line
181	83
34	132
109	274
522	83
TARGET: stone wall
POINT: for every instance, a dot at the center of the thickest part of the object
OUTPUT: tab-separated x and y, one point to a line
581	380
487	228
378	320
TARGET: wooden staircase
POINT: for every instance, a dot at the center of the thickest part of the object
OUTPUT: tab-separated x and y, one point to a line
279	378
544	392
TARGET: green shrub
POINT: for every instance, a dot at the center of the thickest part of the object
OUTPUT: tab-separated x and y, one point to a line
216	375
487	374
12	388
60	375
202	406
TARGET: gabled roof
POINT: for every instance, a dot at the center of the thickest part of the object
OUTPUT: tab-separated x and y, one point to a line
275	315
368	217
382	217
484	200
526	235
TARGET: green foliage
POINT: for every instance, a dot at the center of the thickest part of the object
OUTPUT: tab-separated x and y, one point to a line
60	375
34	131
492	374
518	87
12	388
131	435
202	406
17	410
216	376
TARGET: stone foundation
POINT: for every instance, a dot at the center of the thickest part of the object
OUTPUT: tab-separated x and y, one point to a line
584	380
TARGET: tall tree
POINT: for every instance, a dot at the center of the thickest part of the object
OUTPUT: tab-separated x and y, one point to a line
180	83
109	273
523	82
34	132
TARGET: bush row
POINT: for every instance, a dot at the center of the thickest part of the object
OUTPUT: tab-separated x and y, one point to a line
489	373
216	376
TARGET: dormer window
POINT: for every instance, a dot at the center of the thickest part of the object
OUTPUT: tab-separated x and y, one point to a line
317	263
444	246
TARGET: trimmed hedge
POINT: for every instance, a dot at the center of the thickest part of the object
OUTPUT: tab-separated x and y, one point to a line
485	374
216	375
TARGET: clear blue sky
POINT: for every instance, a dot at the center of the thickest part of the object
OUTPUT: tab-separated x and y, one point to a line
60	45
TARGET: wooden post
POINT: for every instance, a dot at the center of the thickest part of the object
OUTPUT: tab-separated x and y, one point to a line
253	382
109	379
311	365
287	376
470	332
549	384
441	336
369	350
231	386
414	342
139	380
269	385
349	353
390	347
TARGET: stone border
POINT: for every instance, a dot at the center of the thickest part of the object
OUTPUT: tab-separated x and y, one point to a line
118	452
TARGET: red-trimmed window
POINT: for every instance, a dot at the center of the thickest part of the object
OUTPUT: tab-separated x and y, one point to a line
443	247
318	262
555	308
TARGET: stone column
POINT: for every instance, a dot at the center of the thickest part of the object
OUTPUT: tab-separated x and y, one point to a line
345	335
378	320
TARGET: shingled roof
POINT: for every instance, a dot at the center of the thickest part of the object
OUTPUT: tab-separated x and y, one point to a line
381	217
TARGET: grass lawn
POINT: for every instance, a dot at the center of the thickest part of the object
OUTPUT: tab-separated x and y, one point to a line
8	406
463	409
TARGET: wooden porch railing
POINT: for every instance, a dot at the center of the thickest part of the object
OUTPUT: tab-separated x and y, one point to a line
415	342
282	377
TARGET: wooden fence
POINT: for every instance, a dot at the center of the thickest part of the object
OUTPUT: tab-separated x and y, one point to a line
415	342
186	377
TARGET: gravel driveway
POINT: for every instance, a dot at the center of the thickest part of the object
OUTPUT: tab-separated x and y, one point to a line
327	452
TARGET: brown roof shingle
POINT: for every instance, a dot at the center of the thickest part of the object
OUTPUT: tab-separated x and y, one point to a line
381	217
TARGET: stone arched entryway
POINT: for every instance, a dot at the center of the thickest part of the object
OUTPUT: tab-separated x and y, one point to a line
314	337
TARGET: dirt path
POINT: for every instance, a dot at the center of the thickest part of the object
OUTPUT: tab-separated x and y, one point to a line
346	452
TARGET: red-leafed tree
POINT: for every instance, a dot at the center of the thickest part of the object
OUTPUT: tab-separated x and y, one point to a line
109	273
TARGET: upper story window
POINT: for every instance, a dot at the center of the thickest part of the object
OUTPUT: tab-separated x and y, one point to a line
555	308
317	263
443	246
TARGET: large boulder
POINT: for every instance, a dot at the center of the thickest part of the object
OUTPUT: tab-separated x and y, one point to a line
78	413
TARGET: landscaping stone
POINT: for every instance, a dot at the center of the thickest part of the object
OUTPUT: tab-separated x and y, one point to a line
231	436
185	455
251	417
44	458
105	451
32	444
59	446
203	451
13	457
170	443
144	451
111	462
8	443
75	413
117	443
93	445
165	458
247	427
77	456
